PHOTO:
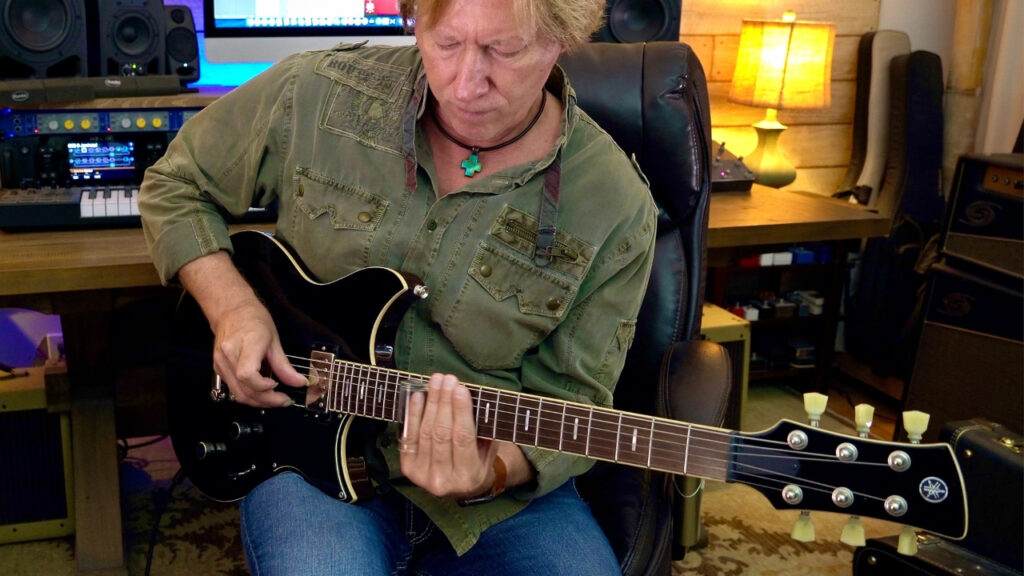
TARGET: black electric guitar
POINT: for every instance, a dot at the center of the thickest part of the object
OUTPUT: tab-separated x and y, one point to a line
339	334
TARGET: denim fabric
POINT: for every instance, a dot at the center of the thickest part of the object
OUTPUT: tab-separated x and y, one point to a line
290	527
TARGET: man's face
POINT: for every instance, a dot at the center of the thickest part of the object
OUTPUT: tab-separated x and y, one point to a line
484	73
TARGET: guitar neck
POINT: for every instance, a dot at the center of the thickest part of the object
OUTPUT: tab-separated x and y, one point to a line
529	420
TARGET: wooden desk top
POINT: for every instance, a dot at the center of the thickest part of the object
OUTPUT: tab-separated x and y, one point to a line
73	260
769	216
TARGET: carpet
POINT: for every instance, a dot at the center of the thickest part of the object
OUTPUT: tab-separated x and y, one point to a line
197	537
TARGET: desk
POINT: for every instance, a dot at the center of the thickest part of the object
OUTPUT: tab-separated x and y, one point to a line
768	220
82	274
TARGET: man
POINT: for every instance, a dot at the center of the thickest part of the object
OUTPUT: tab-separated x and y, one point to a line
464	161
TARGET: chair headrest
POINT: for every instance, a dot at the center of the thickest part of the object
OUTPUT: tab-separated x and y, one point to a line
652	99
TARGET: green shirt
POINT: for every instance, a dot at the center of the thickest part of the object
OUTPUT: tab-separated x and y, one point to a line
335	137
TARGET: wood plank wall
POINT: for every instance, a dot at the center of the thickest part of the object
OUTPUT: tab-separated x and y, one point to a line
817	141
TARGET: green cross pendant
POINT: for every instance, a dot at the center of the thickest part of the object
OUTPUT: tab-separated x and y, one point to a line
471	164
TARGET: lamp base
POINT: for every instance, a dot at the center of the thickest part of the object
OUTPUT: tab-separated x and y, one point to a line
766	161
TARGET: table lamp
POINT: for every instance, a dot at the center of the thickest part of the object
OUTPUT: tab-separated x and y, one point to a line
781	64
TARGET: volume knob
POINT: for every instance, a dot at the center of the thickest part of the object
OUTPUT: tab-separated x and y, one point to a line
205	449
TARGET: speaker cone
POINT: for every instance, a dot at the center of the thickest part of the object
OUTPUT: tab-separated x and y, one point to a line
637	20
37	25
133	34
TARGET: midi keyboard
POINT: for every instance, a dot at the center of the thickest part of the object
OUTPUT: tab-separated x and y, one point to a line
84	207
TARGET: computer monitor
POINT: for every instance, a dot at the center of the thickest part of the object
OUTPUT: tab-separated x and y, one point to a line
269	30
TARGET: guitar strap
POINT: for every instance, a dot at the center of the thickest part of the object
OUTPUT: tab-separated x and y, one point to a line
546	228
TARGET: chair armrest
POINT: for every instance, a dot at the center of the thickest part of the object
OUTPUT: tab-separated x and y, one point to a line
695	382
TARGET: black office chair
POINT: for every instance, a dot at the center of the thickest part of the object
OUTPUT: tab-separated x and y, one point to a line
652	99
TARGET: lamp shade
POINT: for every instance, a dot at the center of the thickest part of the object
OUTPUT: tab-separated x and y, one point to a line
784	64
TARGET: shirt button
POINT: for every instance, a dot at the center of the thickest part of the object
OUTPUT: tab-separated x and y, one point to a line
485	271
364	217
554	304
432	225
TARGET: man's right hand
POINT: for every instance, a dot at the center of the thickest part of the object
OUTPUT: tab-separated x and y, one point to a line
245	338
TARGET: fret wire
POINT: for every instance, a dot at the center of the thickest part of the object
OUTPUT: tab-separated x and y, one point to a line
331	392
540	410
590	422
686	454
618	437
497	406
650	444
561	428
515	419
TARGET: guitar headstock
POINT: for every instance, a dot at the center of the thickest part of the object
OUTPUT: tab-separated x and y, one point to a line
800	467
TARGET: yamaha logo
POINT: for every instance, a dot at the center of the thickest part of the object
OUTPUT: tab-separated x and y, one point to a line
112	83
20	96
933	489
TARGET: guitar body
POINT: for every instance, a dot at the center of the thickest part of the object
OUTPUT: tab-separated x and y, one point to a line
227	448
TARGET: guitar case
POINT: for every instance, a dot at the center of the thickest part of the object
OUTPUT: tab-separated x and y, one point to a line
991	458
885	305
859	143
871	114
935	557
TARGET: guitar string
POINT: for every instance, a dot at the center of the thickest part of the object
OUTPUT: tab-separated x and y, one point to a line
748	446
741	469
783	452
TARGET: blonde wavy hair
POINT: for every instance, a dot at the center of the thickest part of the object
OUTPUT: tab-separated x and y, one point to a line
570	22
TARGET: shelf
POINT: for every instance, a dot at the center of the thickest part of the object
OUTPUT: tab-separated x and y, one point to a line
756	375
788	321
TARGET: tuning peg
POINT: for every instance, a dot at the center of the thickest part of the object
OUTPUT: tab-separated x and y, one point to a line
863	415
915	423
853	532
907	544
814	405
803	529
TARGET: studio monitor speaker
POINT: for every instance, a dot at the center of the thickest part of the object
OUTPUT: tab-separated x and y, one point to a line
43	39
130	38
640	21
182	47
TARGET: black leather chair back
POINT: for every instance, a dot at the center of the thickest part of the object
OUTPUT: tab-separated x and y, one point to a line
652	99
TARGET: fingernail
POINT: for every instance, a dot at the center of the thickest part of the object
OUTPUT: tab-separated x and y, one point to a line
461	392
288	403
449	384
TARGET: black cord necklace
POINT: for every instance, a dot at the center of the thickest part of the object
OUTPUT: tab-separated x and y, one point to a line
472	164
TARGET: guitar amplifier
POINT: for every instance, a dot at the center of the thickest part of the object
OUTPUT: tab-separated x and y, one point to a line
970	357
36	490
985	219
733	333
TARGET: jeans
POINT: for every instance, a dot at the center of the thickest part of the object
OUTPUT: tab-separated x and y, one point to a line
291	527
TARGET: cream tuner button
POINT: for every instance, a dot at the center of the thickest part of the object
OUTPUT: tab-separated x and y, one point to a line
126	123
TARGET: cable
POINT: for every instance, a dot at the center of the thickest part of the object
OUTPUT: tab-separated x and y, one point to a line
161	507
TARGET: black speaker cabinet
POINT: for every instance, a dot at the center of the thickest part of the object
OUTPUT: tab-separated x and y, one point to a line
36	489
985	220
130	39
970	358
181	47
43	39
640	21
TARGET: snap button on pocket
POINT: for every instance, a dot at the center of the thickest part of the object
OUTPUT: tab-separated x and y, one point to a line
365	217
432	225
554	304
485	271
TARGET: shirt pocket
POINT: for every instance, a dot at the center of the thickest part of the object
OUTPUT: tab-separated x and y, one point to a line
366	101
333	222
506	306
